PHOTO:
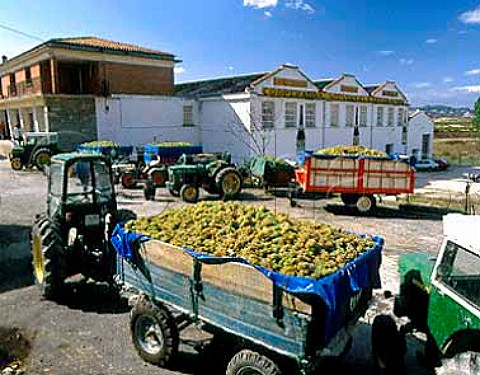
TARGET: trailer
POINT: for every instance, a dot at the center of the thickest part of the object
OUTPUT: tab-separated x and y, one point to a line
356	178
270	320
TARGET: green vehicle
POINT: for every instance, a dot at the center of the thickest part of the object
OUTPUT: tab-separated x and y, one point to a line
36	150
72	236
213	172
441	298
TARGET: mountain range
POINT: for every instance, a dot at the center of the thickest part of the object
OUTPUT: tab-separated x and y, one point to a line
436	111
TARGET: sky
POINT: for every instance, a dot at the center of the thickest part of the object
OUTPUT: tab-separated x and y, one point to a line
430	48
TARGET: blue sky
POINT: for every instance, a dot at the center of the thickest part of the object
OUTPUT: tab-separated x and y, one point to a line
431	48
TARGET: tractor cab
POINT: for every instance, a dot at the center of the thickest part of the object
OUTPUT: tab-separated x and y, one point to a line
73	236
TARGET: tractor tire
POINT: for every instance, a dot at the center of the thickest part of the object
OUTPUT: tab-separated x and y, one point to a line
41	158
46	247
388	347
128	180
154	332
16	164
189	193
157	177
250	362
229	182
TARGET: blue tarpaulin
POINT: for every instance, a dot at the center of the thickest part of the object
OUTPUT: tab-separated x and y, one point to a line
335	290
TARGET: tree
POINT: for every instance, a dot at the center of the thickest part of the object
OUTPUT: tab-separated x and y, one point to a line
476	116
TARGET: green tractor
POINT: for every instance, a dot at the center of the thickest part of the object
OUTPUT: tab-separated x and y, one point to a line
213	172
36	150
72	237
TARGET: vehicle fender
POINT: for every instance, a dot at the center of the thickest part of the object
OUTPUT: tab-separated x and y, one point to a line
462	341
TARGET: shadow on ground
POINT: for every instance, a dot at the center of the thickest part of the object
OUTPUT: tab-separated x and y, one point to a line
15	258
384	212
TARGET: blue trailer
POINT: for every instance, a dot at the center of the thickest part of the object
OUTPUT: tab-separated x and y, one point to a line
272	320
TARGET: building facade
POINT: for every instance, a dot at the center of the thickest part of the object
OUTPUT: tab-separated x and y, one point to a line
53	86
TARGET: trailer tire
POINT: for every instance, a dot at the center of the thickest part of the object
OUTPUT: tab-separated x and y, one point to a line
154	332
349	199
366	203
189	193
251	363
128	180
388	347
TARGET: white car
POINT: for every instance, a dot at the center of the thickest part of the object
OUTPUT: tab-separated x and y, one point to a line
426	165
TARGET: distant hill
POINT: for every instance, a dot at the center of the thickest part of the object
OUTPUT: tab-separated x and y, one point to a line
436	111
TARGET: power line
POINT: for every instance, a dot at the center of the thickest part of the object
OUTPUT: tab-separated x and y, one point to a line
20	32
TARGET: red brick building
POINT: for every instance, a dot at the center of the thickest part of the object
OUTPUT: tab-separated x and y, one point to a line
53	86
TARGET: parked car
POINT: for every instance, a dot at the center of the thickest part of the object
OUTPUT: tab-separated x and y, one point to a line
442	164
472	176
426	165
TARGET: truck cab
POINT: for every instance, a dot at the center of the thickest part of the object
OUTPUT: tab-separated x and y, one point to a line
442	296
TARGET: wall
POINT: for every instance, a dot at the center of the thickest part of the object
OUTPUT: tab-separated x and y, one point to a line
136	120
136	79
417	126
73	118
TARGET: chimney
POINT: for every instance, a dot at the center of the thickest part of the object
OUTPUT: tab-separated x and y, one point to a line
4	59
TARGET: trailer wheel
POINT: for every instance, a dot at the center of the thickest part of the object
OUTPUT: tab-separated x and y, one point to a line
349	199
154	332
189	193
365	203
128	180
388	346
247	362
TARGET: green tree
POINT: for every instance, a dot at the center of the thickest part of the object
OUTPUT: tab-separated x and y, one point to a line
476	116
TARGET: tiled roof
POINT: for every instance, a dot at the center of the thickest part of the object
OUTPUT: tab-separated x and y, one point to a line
217	86
91	42
322	83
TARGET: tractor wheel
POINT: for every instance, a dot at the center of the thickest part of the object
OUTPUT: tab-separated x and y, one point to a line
388	346
247	362
128	180
157	177
47	245
41	158
154	332
189	193
16	164
174	193
229	182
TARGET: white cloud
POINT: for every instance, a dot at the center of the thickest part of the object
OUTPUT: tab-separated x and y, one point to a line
431	41
179	70
471	16
300	5
385	52
229	68
475	89
259	4
407	61
447	79
422	85
472	72
268	14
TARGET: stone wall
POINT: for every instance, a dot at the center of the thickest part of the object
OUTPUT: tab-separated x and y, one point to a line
73	118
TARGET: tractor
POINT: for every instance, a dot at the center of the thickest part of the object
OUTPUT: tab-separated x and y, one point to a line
35	150
72	237
213	172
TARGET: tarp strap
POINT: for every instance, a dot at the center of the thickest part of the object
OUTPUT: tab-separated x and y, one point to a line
196	287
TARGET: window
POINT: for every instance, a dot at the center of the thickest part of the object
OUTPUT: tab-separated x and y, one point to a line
391	114
400	117
290	115
350	115
28	76
334	115
380	116
459	270
268	113
310	115
13	85
363	115
188	115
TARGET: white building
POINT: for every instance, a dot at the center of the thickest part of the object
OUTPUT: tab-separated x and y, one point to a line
269	113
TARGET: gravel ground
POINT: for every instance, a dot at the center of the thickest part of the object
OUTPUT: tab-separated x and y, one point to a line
87	333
